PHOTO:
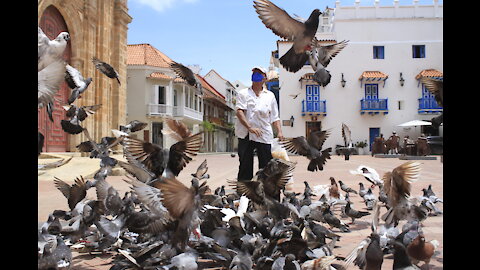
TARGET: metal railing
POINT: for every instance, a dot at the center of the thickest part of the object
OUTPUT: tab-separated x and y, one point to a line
314	106
374	104
428	104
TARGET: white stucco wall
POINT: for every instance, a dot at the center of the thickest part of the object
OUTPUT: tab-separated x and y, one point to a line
395	28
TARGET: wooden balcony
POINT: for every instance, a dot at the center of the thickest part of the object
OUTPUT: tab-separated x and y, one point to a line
374	106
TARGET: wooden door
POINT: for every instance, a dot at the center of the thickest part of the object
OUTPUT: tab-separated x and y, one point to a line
312	126
56	140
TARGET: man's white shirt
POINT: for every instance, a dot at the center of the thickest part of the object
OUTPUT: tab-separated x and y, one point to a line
260	112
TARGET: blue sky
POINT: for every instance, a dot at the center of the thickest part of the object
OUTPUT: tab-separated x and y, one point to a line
225	35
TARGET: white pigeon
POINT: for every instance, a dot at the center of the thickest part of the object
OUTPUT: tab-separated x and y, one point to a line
370	174
50	51
49	81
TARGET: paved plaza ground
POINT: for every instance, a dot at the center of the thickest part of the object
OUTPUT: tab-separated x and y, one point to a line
222	167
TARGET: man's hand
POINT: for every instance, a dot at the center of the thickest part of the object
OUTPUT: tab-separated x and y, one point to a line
256	131
280	136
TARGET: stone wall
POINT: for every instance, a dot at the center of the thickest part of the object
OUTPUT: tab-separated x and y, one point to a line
97	28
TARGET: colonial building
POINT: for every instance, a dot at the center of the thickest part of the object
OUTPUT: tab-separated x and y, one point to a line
96	28
375	79
218	129
228	90
154	92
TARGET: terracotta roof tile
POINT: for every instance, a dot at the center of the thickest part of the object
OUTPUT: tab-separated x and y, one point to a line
146	54
429	73
160	75
209	91
373	75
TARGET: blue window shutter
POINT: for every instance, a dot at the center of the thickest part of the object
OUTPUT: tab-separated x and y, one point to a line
381	49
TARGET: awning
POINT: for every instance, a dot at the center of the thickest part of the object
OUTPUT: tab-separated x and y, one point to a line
415	123
373	76
307	77
430	73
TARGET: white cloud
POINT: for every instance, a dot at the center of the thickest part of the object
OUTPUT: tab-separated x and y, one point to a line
161	5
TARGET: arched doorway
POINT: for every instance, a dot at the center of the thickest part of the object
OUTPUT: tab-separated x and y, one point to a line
56	140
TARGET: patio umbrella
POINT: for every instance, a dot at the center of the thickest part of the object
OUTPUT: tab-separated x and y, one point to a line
415	123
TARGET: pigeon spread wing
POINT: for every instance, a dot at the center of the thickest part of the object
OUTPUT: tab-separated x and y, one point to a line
435	87
62	186
346	134
179	128
298	145
49	80
326	53
398	182
247	188
73	77
182	152
184	73
278	20
317	138
201	170
148	195
177	198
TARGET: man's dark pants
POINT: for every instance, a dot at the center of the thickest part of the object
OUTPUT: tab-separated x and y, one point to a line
245	155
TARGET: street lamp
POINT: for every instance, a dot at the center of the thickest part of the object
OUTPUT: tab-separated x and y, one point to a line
402	81
291	120
343	81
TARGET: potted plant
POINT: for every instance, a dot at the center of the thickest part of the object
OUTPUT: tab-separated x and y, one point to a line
360	146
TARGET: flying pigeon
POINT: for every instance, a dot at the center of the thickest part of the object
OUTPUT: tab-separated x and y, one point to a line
397	187
50	51
320	56
310	148
133	126
183	204
201	171
76	82
158	159
49	81
74	193
370	174
106	69
188	75
76	115
284	26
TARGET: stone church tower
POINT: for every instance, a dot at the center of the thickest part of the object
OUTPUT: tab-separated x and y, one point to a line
97	28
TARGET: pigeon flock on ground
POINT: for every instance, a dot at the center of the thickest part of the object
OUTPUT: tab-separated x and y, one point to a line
161	223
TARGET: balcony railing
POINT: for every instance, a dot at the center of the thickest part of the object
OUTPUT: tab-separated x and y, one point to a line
314	107
176	111
374	106
428	105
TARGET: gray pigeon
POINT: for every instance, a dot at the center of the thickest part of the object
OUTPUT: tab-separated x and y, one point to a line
76	82
320	57
311	148
50	51
284	26
106	69
346	188
59	258
369	199
133	126
77	115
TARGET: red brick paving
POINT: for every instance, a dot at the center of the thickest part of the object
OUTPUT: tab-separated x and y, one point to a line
223	167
